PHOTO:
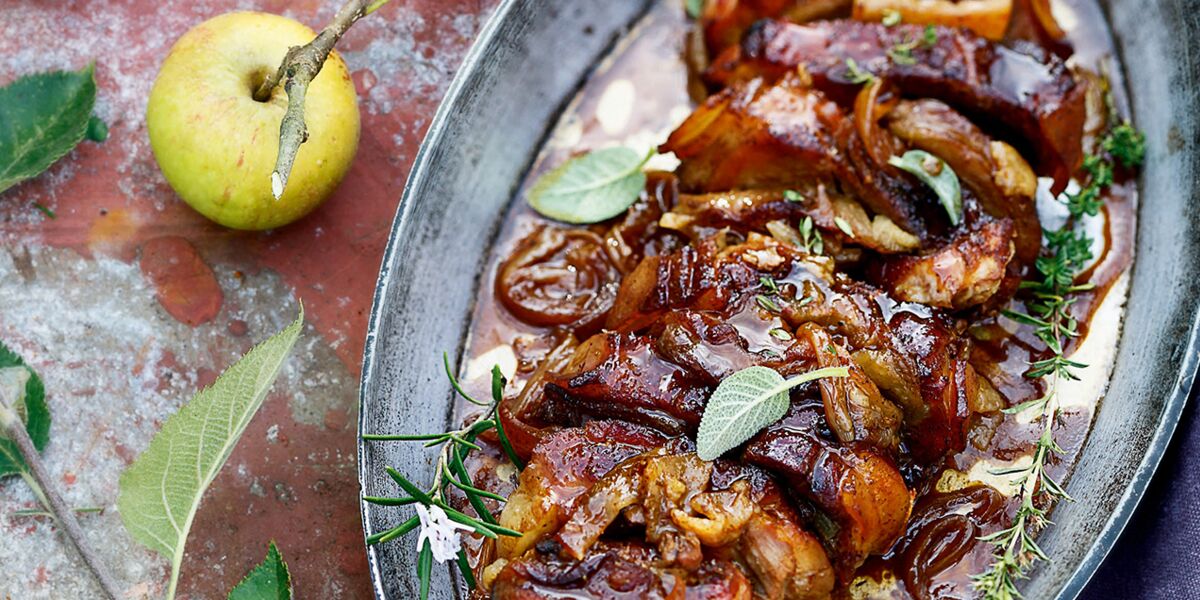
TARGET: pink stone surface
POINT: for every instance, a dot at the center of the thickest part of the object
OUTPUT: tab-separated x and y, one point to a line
128	301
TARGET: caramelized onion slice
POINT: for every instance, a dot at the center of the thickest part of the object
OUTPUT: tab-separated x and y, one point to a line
559	277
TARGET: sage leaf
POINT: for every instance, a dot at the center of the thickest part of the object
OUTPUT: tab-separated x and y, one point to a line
32	409
745	403
160	492
270	580
44	116
936	174
591	187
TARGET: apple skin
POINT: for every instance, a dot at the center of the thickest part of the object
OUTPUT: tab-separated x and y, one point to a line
216	144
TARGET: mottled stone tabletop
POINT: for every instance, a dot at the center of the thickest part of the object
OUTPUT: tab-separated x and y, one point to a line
128	301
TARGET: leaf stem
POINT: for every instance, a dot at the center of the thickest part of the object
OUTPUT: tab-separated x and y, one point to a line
43	487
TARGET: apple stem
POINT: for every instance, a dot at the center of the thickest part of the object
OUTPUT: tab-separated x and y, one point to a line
300	66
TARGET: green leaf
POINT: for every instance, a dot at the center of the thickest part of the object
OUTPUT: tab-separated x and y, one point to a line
33	409
591	188
161	490
45	116
694	8
270	580
374	6
97	130
945	184
746	402
424	568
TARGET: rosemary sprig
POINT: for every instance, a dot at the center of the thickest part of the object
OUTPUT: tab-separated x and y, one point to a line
1049	313
451	472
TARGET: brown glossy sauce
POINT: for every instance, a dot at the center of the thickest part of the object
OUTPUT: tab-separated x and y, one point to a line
939	553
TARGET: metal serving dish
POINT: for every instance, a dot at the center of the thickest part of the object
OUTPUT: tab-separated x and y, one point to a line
528	62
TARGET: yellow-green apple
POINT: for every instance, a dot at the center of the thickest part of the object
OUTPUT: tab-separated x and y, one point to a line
216	144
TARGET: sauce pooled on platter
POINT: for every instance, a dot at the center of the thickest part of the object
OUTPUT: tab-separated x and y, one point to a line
774	231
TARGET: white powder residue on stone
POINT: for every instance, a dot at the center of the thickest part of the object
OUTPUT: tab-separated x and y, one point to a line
115	366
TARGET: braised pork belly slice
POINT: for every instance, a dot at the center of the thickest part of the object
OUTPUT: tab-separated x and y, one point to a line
966	272
620	376
686	320
707	529
1034	95
563	467
786	134
1000	179
862	493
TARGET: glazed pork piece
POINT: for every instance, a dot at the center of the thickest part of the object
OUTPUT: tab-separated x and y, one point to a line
861	492
786	153
1034	93
684	321
966	272
787	134
691	318
709	530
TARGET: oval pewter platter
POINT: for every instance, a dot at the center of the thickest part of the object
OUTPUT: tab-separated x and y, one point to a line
528	63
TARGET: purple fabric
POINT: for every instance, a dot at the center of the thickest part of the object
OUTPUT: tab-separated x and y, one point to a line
1158	555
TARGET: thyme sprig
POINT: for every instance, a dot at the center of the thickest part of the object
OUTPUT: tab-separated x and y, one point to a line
1049	301
856	74
450	472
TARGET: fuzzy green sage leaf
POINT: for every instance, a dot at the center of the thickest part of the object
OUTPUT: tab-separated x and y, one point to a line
44	116
32	408
745	403
591	187
160	492
270	580
936	174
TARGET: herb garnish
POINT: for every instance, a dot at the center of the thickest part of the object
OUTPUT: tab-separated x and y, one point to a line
436	518
891	18
1068	249
901	52
856	74
813	242
592	187
745	403
931	35
936	174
